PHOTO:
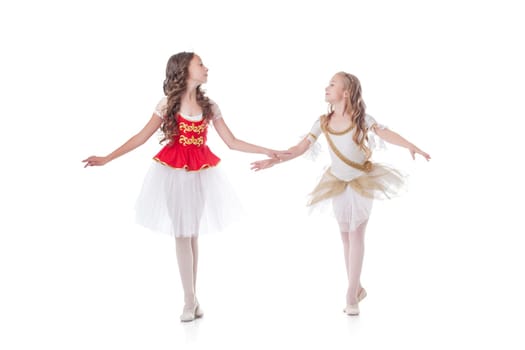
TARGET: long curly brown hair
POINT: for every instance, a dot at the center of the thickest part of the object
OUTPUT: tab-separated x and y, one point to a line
355	107
175	85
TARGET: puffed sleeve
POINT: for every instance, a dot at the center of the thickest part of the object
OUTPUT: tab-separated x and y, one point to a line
314	132
215	110
160	109
315	148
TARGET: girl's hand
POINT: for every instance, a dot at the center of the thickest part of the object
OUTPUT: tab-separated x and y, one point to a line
413	150
95	161
264	164
271	153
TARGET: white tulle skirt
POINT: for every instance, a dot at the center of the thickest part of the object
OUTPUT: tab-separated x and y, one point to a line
351	209
348	208
186	203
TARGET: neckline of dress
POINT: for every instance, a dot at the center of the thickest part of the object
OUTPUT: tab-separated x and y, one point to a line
191	118
326	124
335	132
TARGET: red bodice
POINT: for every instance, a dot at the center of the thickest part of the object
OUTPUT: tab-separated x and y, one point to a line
188	150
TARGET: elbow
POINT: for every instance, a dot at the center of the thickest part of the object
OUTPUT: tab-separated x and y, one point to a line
140	141
232	144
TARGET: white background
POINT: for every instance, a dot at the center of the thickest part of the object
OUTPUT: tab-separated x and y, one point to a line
444	263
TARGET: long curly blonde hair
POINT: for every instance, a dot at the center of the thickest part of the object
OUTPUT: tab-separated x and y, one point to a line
175	85
355	107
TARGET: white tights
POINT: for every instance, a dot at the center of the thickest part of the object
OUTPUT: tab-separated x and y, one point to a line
187	250
354	250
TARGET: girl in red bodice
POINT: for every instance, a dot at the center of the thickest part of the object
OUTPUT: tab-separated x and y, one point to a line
190	151
184	193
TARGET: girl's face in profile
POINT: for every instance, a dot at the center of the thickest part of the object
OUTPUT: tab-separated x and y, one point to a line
197	71
334	92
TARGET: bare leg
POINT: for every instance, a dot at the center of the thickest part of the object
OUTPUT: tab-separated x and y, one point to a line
186	263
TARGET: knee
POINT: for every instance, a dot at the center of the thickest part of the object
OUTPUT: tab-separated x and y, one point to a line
183	241
356	237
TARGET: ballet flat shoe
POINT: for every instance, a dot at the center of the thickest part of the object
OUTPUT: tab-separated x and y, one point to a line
352	310
198	311
188	314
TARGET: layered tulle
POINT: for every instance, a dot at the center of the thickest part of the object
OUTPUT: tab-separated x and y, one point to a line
352	200
185	203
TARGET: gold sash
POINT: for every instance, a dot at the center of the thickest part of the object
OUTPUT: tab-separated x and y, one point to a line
379	181
366	166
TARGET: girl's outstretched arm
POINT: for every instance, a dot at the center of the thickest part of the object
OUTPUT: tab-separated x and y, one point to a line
293	152
398	140
239	145
134	142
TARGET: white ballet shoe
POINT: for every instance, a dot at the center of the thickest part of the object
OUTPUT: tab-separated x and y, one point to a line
352	310
198	311
188	313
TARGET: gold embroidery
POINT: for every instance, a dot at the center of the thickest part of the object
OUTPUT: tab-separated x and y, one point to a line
195	128
310	134
199	141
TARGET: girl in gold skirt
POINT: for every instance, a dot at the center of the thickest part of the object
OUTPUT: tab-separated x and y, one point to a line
352	181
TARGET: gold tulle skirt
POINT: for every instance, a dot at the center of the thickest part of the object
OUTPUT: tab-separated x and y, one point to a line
381	182
352	201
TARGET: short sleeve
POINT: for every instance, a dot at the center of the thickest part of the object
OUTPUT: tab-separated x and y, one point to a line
371	121
314	150
315	131
374	142
215	110
160	109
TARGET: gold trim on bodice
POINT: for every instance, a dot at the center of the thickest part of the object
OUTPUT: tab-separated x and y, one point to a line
185	167
366	166
334	132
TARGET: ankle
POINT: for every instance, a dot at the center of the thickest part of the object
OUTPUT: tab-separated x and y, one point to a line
351	298
190	302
